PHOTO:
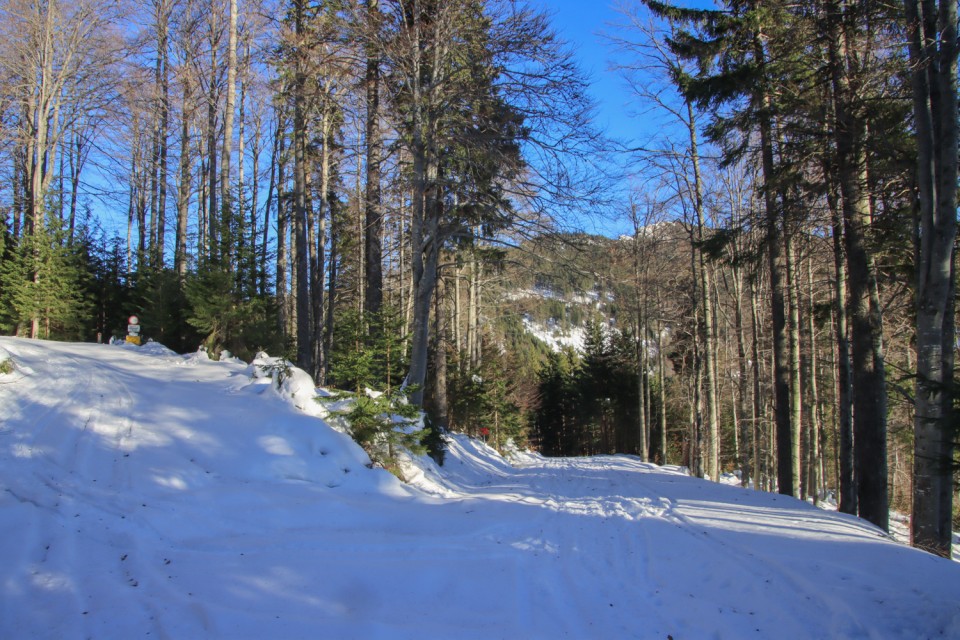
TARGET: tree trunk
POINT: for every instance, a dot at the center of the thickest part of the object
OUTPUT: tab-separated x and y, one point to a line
696	411
283	216
373	295
203	204
140	173
712	435
778	311
158	170
256	148
273	195
868	377
643	443
814	473
796	389
183	195
439	408
742	377
457	313
425	279
933	56
39	107
19	189
300	209
474	346
318	242
226	201
425	250
131	214
846	481
336	231
661	372
759	468
77	160
243	254
647	413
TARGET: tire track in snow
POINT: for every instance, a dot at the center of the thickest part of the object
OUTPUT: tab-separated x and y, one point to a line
612	530
656	541
737	568
582	525
78	450
48	450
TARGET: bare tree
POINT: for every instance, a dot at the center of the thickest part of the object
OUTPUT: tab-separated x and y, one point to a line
57	58
226	151
158	172
651	70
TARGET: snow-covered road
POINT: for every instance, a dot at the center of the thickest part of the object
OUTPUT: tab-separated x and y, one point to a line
146	494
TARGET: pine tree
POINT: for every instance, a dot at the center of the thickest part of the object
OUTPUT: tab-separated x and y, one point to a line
368	351
43	286
483	403
554	423
226	320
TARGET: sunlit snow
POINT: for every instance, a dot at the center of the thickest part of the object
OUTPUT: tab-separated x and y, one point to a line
148	494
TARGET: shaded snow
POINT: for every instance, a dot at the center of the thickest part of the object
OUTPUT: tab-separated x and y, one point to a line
150	494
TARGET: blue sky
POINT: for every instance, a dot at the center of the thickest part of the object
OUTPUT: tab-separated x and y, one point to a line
580	23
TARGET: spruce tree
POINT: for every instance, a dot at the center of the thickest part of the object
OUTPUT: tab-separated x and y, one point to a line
43	286
553	421
483	401
225	320
111	297
368	351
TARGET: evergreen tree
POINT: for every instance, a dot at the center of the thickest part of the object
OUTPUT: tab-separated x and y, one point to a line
382	423
368	351
555	425
43	287
107	286
161	304
595	377
483	404
225	320
731	49
625	389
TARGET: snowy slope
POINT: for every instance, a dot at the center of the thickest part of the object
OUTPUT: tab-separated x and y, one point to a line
555	337
145	494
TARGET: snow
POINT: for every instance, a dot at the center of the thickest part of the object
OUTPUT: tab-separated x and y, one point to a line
556	338
148	494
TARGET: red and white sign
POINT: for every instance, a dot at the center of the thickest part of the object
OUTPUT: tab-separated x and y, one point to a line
133	320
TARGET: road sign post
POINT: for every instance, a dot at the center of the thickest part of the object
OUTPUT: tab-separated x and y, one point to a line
133	330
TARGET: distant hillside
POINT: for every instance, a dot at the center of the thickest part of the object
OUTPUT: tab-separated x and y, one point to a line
554	286
551	287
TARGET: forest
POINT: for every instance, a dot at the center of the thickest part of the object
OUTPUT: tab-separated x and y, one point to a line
391	193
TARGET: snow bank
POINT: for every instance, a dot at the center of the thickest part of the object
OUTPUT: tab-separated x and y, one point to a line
144	493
